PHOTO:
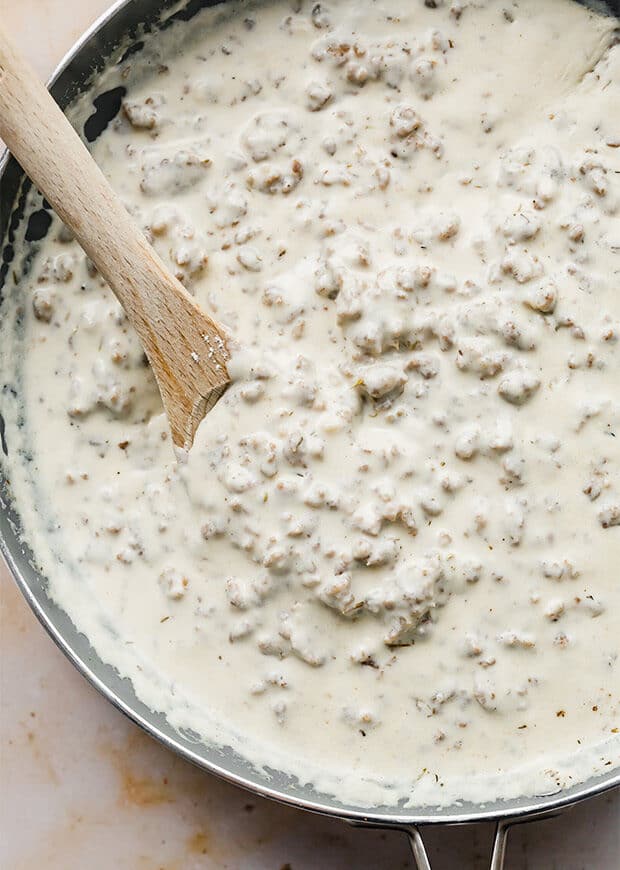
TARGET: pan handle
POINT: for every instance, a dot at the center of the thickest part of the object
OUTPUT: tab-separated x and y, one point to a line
498	854
500	838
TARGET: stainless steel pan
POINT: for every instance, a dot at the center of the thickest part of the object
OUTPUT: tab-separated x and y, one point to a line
117	31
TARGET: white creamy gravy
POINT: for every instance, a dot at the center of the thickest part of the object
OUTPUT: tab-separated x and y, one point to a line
389	565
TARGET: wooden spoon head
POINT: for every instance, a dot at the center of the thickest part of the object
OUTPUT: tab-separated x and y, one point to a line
188	356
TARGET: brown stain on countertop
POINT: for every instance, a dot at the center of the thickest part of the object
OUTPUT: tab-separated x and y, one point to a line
139	785
16	621
149	777
144	792
198	843
42	754
152	781
26	738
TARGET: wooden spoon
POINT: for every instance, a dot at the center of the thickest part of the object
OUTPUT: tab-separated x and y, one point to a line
185	347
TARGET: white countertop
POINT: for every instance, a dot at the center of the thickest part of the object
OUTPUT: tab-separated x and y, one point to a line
80	786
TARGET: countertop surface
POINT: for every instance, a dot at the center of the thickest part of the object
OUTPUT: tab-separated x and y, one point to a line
80	786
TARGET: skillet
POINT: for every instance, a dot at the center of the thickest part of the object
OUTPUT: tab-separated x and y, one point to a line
113	37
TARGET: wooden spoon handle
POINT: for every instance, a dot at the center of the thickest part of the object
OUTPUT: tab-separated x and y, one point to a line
52	154
171	326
